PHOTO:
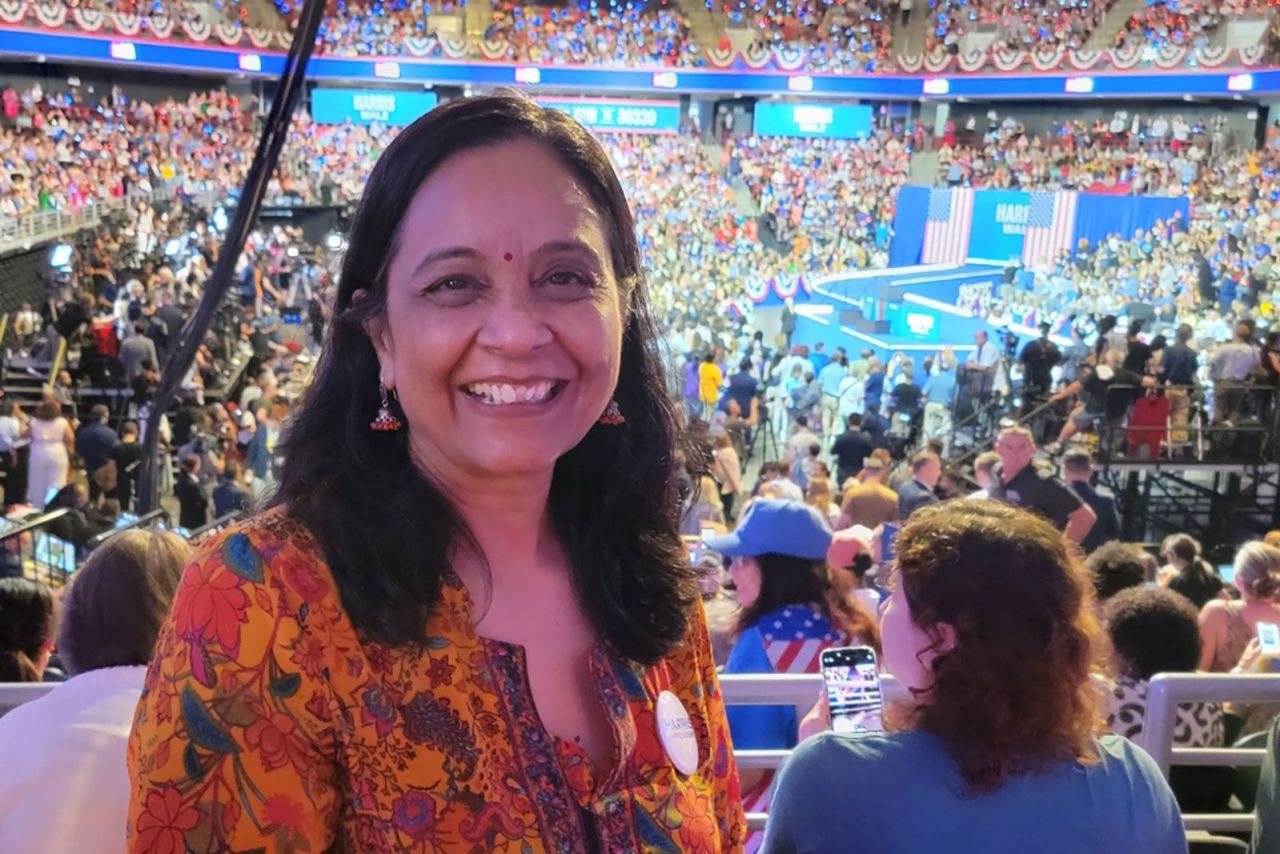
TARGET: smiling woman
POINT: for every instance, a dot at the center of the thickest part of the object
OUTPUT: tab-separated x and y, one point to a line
480	630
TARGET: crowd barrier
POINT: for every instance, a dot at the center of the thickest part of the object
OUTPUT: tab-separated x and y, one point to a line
1165	692
1163	696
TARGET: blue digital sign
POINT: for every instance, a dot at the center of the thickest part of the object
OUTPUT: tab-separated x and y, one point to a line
910	321
628	116
834	121
370	106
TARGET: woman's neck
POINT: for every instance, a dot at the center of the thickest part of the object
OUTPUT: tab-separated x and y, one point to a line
509	522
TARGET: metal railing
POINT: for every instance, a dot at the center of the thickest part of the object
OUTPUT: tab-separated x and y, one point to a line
20	546
27	230
146	520
1165	692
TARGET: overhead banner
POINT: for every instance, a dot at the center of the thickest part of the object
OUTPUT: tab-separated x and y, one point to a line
396	107
623	115
829	121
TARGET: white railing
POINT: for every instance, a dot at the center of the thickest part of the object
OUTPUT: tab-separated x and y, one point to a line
1165	692
1163	696
14	694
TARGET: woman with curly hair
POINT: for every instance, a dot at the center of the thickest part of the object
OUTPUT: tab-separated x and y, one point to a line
990	625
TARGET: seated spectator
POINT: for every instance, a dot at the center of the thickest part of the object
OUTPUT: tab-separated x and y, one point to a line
1226	627
1155	631
230	495
1116	567
850	561
1187	572
780	580
61	793
1000	732
28	619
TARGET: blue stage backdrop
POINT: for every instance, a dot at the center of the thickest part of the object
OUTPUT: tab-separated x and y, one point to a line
908	226
1003	219
999	225
1098	216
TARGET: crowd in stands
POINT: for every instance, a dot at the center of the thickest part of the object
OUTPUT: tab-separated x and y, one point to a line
620	32
835	37
1016	24
864	449
116	317
64	151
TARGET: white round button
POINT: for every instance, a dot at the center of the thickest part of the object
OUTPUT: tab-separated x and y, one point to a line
675	730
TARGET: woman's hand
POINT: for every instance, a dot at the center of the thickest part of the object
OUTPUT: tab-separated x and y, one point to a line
818	719
1249	658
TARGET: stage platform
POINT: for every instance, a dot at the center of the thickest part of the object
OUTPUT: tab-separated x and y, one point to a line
911	310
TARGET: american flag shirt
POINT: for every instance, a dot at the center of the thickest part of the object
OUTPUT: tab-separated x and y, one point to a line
788	640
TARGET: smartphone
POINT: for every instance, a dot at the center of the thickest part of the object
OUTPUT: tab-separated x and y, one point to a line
1227	572
853	689
1269	638
888	534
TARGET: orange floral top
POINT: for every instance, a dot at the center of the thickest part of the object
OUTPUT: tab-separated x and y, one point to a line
267	724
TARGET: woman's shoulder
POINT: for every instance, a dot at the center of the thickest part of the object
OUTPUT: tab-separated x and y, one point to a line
272	553
870	755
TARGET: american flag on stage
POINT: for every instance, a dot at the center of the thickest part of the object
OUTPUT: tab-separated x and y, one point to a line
1051	221
947	225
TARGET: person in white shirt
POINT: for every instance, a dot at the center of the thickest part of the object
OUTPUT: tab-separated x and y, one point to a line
65	788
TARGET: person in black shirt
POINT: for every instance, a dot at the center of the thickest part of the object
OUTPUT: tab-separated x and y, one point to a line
1038	359
1179	363
1077	468
850	448
926	469
1139	353
1107	391
128	459
743	386
193	501
1022	485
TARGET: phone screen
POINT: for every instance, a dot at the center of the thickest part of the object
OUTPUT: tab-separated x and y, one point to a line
853	689
888	534
1227	572
1269	638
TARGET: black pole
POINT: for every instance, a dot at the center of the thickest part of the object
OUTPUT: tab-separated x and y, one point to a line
255	186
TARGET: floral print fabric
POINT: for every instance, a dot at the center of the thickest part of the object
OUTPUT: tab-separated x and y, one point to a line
267	724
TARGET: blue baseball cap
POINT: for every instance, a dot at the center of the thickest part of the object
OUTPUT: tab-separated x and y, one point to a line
776	526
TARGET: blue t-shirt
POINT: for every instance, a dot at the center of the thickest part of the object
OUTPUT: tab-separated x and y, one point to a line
788	640
903	792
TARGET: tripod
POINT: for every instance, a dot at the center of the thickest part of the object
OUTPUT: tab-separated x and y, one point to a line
769	443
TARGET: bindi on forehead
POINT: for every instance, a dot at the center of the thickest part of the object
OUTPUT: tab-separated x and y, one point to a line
507	256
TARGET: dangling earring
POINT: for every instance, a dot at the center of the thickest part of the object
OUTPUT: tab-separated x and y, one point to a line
385	421
613	416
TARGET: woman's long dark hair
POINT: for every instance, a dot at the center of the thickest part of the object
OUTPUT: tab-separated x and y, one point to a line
789	580
26	625
387	531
